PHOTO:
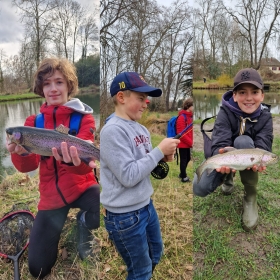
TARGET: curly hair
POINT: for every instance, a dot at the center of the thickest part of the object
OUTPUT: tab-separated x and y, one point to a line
188	103
47	68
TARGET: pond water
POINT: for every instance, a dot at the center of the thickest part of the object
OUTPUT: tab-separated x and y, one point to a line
207	102
15	113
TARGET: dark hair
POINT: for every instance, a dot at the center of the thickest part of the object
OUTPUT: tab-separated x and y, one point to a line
188	103
47	68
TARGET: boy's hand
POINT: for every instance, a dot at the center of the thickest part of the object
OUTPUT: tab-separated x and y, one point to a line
13	148
225	169
256	168
168	146
66	156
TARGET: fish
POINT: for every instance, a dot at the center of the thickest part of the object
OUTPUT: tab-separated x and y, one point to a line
41	141
238	159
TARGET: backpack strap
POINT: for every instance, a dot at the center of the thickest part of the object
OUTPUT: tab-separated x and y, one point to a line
39	121
204	121
75	122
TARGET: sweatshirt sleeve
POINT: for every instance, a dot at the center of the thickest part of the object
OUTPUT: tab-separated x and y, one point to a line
118	154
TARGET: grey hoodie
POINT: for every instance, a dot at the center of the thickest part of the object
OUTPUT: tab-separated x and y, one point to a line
77	105
126	161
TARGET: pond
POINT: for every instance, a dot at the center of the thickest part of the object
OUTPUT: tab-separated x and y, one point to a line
207	102
14	114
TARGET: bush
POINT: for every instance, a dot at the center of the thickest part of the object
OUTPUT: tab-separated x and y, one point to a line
225	81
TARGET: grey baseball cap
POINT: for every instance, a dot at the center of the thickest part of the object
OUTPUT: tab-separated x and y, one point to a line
248	76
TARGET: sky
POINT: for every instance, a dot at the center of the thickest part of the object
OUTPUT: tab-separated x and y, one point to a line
11	29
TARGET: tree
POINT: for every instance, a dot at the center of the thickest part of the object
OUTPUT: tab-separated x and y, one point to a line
258	21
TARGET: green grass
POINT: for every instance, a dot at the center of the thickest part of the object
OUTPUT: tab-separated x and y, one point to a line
22	96
173	201
222	249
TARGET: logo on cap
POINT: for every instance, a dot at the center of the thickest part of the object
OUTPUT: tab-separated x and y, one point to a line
245	76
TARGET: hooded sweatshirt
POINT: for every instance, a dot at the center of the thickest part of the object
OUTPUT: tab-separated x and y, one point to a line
126	161
232	122
60	183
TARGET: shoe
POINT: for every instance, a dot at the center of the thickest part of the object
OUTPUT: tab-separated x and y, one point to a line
227	190
85	239
250	217
185	180
227	186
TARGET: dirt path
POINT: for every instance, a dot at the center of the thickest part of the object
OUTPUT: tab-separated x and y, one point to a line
198	140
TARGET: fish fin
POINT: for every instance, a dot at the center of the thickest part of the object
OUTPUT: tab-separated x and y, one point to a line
209	170
62	129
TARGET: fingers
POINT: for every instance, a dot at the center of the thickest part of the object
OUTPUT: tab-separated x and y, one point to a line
67	156
168	158
92	164
225	170
168	145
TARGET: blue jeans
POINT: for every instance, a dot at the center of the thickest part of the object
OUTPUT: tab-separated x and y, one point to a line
137	238
209	182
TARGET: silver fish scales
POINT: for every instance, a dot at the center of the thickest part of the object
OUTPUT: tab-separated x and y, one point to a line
41	141
238	159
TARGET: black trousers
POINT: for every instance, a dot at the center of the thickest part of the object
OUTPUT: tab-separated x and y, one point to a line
47	227
185	157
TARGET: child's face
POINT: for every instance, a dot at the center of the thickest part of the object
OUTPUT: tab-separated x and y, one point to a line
248	98
55	89
135	104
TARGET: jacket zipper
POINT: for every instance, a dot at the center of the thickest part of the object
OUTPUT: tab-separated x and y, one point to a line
55	165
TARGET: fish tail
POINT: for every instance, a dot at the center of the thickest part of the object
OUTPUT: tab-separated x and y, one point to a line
199	172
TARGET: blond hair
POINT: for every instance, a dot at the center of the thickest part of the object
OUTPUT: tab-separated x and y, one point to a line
47	68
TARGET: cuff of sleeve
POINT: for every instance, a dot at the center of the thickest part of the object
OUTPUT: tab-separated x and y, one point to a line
160	150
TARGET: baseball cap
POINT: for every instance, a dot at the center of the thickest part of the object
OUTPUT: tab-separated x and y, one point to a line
132	81
249	76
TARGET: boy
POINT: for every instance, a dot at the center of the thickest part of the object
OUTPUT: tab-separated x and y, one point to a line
126	161
65	181
242	122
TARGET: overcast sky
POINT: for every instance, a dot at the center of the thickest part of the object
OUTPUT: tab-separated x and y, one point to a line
11	29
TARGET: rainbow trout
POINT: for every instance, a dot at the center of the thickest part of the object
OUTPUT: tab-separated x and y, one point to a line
41	141
238	159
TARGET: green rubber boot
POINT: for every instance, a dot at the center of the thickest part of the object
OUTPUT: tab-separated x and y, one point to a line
227	186
250	215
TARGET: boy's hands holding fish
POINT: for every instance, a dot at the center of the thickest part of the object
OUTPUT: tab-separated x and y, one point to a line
73	156
227	170
14	148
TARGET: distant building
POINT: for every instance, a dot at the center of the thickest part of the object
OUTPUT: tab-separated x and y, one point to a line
271	63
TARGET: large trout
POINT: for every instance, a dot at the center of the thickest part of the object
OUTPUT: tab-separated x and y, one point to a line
41	141
238	159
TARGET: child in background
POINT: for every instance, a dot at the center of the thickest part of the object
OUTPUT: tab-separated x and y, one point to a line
126	161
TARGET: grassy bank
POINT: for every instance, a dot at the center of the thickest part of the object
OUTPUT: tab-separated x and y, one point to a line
173	201
222	249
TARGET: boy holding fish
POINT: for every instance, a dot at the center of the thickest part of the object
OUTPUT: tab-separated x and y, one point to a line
243	122
65	181
126	162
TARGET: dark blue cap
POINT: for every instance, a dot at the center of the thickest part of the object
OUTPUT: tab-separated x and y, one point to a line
133	81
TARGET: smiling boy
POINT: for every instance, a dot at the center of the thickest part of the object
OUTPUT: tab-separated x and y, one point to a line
242	122
126	161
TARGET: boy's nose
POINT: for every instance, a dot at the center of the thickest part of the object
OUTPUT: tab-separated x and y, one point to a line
53	87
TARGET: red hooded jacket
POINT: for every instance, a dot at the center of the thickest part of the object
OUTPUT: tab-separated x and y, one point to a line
60	183
184	119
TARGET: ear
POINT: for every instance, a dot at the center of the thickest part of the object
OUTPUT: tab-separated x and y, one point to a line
121	97
234	96
262	96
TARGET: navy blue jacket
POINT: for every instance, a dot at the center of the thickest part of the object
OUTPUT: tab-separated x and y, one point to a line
227	127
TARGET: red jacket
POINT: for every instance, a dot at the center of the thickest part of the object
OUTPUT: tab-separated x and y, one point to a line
60	183
185	118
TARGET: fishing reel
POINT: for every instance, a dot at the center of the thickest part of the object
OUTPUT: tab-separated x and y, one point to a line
161	170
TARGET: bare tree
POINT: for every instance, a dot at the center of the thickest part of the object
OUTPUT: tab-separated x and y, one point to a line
258	21
35	16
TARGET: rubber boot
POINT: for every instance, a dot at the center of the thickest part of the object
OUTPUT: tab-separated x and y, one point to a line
250	215
85	238
227	186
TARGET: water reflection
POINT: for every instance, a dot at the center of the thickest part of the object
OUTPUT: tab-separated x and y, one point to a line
207	102
15	113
